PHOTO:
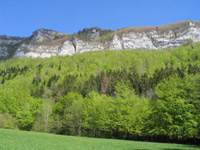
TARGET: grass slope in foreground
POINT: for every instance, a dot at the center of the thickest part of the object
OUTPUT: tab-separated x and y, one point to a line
22	140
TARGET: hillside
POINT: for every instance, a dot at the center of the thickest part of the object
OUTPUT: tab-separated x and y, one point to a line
139	95
20	140
46	43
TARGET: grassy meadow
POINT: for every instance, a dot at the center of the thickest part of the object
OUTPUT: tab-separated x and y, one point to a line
23	140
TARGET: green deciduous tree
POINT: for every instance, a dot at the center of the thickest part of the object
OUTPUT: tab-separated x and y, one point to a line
172	114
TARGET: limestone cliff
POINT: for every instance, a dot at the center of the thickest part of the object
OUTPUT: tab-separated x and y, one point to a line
47	43
8	45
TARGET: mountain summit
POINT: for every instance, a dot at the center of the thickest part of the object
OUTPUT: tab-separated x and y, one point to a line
46	43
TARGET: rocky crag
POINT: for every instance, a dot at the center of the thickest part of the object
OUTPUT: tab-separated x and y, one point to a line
46	43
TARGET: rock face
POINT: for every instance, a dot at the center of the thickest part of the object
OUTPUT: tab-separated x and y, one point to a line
8	45
45	35
85	46
47	43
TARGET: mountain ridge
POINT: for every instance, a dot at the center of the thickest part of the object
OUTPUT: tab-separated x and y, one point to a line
46	43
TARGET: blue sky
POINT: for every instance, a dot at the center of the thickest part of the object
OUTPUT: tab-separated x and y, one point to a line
22	17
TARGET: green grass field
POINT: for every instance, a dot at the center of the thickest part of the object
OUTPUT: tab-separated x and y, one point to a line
22	140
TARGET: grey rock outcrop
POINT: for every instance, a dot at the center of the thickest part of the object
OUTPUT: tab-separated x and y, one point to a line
156	37
42	35
85	46
47	43
67	48
8	45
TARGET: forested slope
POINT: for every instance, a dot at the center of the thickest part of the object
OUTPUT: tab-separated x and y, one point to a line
134	94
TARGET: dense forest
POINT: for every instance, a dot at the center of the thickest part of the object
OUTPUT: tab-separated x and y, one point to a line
149	95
